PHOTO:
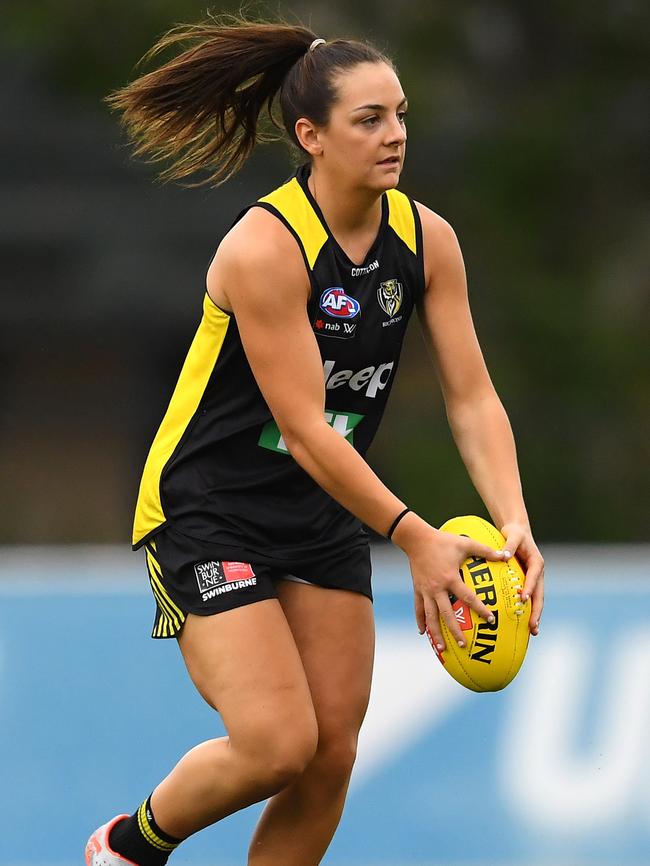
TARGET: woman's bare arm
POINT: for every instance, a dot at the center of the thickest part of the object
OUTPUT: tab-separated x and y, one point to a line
478	421
259	274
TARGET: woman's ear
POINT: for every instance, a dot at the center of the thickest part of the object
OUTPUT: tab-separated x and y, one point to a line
308	136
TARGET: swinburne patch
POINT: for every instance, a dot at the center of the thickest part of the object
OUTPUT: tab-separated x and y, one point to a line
216	577
237	570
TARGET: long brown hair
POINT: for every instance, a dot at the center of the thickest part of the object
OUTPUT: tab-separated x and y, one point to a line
201	109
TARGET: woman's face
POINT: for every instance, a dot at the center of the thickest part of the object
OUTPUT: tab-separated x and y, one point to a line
364	142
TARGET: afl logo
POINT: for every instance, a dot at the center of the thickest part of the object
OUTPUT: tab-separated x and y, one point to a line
336	303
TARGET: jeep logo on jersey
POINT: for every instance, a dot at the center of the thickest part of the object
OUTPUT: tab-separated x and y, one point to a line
389	295
368	379
336	303
343	422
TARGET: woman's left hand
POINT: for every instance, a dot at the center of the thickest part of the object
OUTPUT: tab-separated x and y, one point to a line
519	541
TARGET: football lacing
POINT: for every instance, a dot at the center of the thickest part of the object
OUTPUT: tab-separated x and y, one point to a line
518	603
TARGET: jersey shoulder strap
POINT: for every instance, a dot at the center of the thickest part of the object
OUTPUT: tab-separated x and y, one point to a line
402	219
292	206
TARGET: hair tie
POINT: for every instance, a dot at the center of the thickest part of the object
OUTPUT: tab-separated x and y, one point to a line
315	43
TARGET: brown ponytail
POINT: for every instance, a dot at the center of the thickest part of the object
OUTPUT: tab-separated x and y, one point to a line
201	109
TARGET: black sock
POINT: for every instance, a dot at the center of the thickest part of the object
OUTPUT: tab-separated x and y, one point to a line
141	840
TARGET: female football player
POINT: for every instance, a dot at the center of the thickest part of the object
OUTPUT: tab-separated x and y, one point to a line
254	492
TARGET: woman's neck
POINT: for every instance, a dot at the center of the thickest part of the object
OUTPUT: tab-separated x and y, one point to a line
349	212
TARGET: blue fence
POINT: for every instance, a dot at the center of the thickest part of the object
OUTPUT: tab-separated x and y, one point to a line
551	772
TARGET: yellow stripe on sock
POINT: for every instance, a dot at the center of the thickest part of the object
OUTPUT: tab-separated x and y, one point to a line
148	833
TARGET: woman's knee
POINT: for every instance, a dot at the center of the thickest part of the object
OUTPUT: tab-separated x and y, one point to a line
334	758
278	748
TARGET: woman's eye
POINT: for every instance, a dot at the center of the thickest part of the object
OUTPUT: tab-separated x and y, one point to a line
370	121
402	116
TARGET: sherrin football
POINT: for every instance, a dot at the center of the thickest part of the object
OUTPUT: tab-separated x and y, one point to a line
492	654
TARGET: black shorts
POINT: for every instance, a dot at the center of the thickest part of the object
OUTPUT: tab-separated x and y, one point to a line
189	576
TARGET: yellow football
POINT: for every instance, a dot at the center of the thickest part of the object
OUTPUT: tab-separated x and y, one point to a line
492	654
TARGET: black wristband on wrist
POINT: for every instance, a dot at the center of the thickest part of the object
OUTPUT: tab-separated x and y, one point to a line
395	522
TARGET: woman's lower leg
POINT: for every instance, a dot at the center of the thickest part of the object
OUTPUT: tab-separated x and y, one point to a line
266	708
214	780
299	822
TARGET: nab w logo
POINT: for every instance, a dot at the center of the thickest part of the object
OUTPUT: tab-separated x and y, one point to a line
336	303
343	422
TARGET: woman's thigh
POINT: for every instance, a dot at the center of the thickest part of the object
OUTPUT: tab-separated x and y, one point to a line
245	663
334	632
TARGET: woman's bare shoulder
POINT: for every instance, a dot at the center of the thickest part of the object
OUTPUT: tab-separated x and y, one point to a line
440	244
258	246
259	233
435	228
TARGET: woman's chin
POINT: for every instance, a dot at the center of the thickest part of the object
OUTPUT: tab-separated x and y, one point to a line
390	180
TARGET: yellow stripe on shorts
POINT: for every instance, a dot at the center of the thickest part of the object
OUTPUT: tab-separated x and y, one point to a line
158	577
166	622
169	610
162	603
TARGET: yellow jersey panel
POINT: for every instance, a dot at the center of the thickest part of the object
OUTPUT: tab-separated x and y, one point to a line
192	382
291	202
401	218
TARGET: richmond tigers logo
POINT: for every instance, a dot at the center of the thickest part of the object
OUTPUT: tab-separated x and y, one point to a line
389	295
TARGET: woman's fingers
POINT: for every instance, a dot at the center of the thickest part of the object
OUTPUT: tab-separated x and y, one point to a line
420	615
466	595
537	604
534	571
482	551
514	535
433	624
447	613
431	608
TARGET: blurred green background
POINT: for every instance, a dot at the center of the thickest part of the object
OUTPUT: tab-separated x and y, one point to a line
528	131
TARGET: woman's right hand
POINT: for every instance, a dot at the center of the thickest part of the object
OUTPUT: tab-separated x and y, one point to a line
435	558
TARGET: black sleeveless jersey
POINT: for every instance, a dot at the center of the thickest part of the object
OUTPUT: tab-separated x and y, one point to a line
218	469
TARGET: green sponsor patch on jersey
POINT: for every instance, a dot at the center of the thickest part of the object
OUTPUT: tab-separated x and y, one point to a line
343	422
